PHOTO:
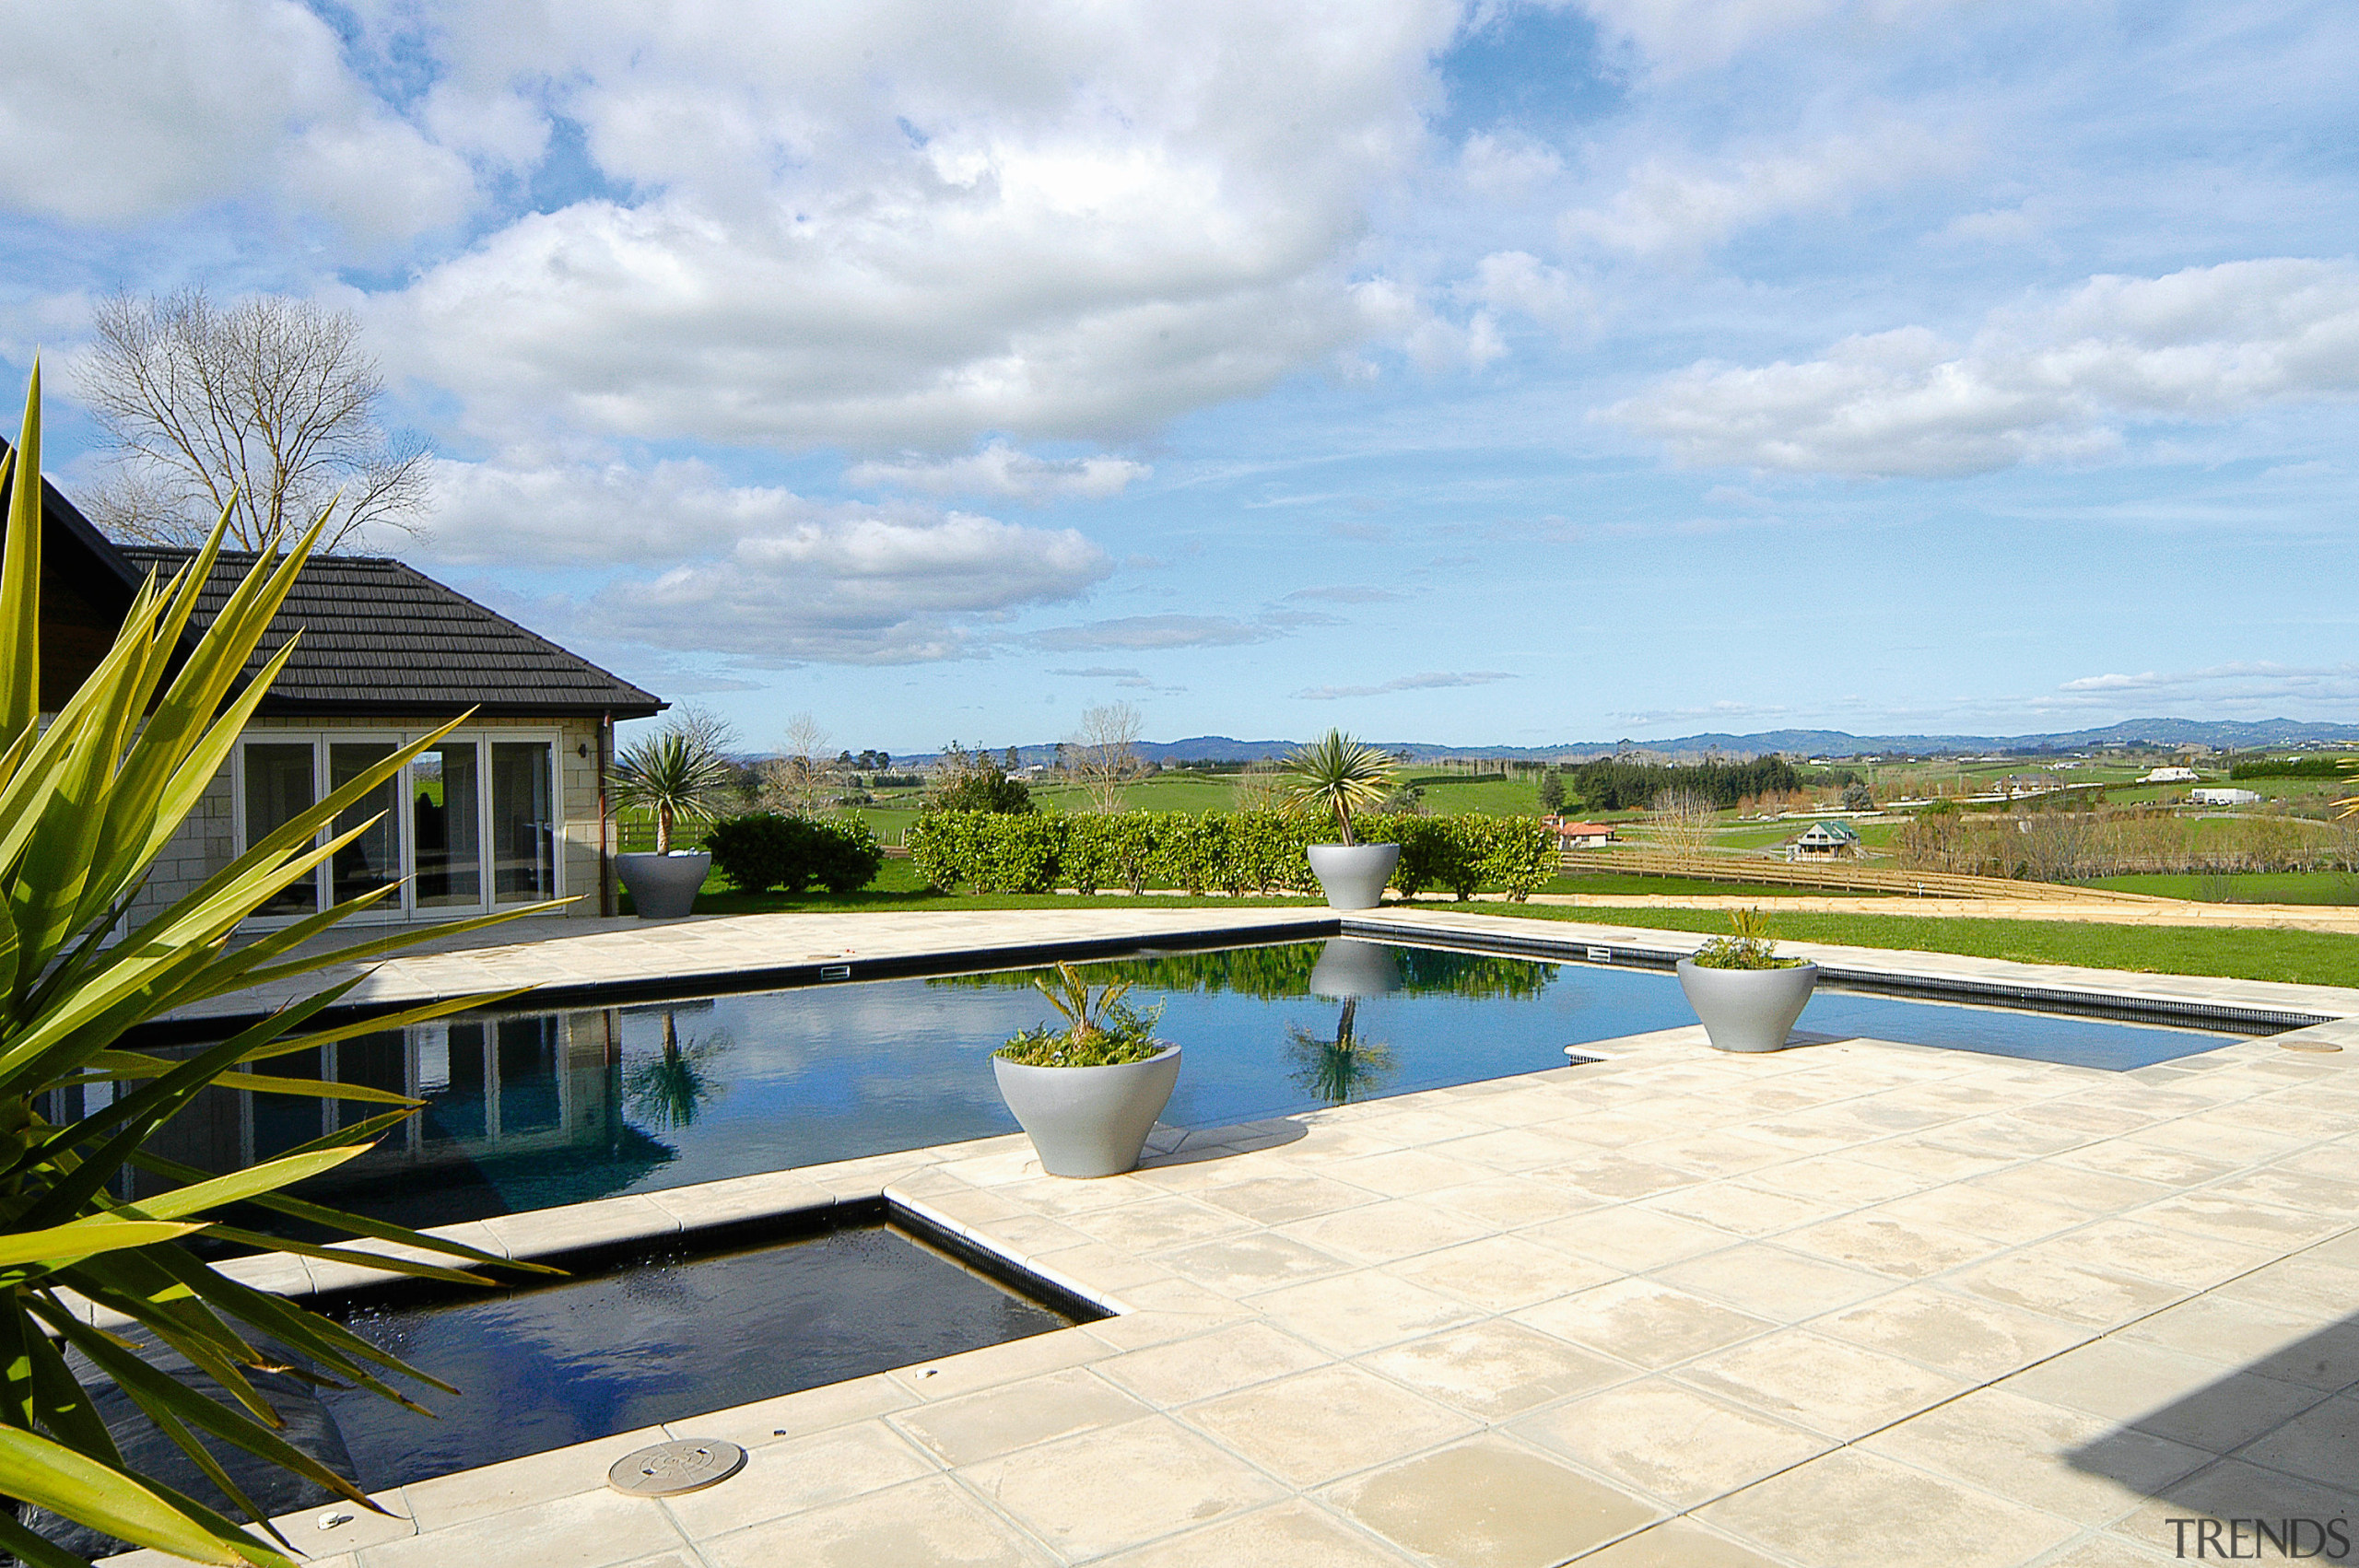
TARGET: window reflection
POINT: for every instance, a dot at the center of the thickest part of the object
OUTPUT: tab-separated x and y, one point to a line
374	858
523	822
278	787
445	811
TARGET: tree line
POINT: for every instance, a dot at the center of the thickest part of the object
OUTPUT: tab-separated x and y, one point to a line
1613	784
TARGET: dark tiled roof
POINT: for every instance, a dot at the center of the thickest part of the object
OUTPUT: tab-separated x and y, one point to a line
382	638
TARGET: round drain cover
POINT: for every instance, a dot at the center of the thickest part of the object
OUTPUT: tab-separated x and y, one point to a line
669	1468
2319	1045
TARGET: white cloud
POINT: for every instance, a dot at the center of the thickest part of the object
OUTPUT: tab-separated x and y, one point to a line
1670	207
1426	682
2049	384
2237	686
116	112
1516	280
1053	226
1998	225
1506	163
1001	470
1349	593
771	578
1161	631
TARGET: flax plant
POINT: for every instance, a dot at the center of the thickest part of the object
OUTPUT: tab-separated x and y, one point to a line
676	775
1337	776
87	801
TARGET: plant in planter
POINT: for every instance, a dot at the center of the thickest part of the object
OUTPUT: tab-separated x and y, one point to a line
1746	995
1335	777
1088	1093
675	776
97	1211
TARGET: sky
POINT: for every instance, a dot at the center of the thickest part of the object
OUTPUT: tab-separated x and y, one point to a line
1489	373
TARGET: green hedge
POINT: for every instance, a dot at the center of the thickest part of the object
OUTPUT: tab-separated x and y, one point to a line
1218	851
763	849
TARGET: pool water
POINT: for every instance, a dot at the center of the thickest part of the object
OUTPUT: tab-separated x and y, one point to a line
531	1110
662	1341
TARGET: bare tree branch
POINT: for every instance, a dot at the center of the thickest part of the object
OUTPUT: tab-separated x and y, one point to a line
266	409
1105	752
803	780
1682	823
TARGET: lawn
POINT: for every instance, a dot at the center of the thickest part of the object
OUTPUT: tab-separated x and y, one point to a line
2306	957
2244	887
2315	958
1609	884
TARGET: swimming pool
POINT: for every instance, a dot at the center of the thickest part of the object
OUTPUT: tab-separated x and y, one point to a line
528	1110
663	1339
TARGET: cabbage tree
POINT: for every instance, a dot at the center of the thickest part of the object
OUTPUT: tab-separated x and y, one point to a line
87	801
674	775
1337	776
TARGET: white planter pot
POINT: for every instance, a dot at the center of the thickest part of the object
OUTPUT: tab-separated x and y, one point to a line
1353	875
1089	1122
663	887
1352	970
1747	1010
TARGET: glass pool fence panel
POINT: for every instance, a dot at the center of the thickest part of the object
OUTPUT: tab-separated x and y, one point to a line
279	785
373	859
446	813
524	822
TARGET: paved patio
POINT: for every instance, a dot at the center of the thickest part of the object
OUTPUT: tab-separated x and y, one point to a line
1854	1303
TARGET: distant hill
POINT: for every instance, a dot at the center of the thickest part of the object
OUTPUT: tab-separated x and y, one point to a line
2240	735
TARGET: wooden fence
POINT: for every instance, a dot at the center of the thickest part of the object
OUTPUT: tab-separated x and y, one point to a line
1837	876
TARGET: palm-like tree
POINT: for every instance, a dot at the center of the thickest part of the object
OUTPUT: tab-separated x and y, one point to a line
90	796
674	774
670	1090
1343	1069
1336	776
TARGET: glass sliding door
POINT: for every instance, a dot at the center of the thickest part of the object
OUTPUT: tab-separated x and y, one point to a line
446	818
374	858
279	785
523	822
470	823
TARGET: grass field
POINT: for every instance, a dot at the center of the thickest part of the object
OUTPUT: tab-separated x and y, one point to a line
2314	958
2244	887
2305	957
1612	885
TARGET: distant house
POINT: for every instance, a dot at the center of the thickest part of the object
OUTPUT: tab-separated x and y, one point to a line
2223	797
1823	838
2167	776
1579	835
507	810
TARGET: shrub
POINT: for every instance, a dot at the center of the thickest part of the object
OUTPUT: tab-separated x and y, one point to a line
1233	852
764	849
1100	1031
1109	851
973	782
1751	945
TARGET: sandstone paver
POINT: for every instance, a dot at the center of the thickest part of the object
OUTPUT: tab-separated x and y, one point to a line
1856	1302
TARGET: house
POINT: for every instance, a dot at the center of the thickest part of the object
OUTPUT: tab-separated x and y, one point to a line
2223	797
1823	838
2167	776
1577	834
507	810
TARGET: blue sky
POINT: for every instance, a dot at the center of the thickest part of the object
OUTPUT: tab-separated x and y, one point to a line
1493	373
